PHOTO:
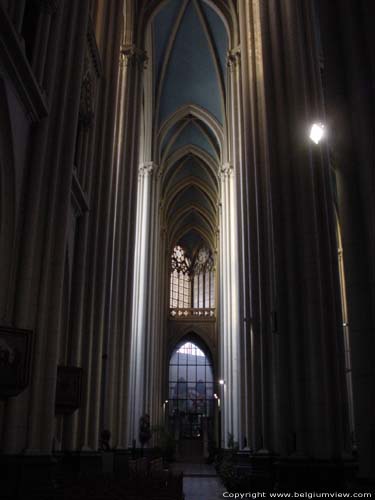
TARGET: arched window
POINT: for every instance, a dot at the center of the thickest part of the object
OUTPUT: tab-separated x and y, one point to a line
203	278
180	287
191	388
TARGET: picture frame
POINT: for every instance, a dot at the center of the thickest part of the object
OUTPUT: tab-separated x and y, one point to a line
15	360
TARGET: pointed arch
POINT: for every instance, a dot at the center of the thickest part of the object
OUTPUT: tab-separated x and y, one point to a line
176	132
192	110
183	154
225	9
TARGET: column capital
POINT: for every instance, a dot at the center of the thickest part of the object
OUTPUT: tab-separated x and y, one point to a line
130	55
146	169
234	58
226	170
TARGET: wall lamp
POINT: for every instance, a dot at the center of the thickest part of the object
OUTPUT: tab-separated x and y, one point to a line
317	132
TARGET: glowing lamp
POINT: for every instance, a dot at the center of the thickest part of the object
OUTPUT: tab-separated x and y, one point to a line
317	132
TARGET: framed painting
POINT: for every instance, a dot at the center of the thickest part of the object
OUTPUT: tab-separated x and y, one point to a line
15	360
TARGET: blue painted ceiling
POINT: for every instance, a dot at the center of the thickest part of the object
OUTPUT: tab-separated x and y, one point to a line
191	134
190	46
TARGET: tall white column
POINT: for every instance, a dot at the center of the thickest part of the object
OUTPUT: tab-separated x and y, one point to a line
229	310
144	355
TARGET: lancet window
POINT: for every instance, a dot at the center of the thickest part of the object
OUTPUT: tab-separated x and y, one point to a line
192	284
203	279
191	387
180	286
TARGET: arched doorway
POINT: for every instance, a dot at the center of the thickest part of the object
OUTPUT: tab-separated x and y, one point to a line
191	400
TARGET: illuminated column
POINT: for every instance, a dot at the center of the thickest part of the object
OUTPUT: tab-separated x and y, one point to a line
229	315
132	63
155	327
109	344
142	333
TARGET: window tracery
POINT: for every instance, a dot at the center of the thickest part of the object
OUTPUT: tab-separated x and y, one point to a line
192	282
203	279
191	382
180	291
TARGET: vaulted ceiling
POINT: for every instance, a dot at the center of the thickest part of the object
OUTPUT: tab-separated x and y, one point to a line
189	50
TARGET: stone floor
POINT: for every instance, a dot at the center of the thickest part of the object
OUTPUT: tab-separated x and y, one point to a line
200	481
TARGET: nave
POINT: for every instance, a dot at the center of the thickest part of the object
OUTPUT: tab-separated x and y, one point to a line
187	241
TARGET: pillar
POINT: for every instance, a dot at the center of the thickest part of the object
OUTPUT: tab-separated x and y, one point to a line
147	335
229	314
39	298
310	364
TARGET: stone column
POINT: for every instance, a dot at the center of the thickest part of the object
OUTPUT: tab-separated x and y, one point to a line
30	255
99	289
347	38
156	317
115	343
139	356
39	297
133	63
229	314
257	288
310	363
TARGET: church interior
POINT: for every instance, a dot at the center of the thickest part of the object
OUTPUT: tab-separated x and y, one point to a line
187	246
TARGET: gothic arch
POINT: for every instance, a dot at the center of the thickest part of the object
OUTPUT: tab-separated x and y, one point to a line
195	335
192	110
225	9
190	150
180	214
186	229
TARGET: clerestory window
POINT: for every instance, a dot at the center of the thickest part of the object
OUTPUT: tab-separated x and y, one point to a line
192	283
180	287
203	280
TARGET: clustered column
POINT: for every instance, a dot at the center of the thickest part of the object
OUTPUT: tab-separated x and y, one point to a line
44	238
309	356
229	315
144	393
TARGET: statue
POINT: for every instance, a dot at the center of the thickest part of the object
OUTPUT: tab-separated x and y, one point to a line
144	429
105	437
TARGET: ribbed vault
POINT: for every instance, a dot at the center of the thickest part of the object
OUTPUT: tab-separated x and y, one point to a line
189	45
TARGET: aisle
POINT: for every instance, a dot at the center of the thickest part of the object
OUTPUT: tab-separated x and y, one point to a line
200	481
